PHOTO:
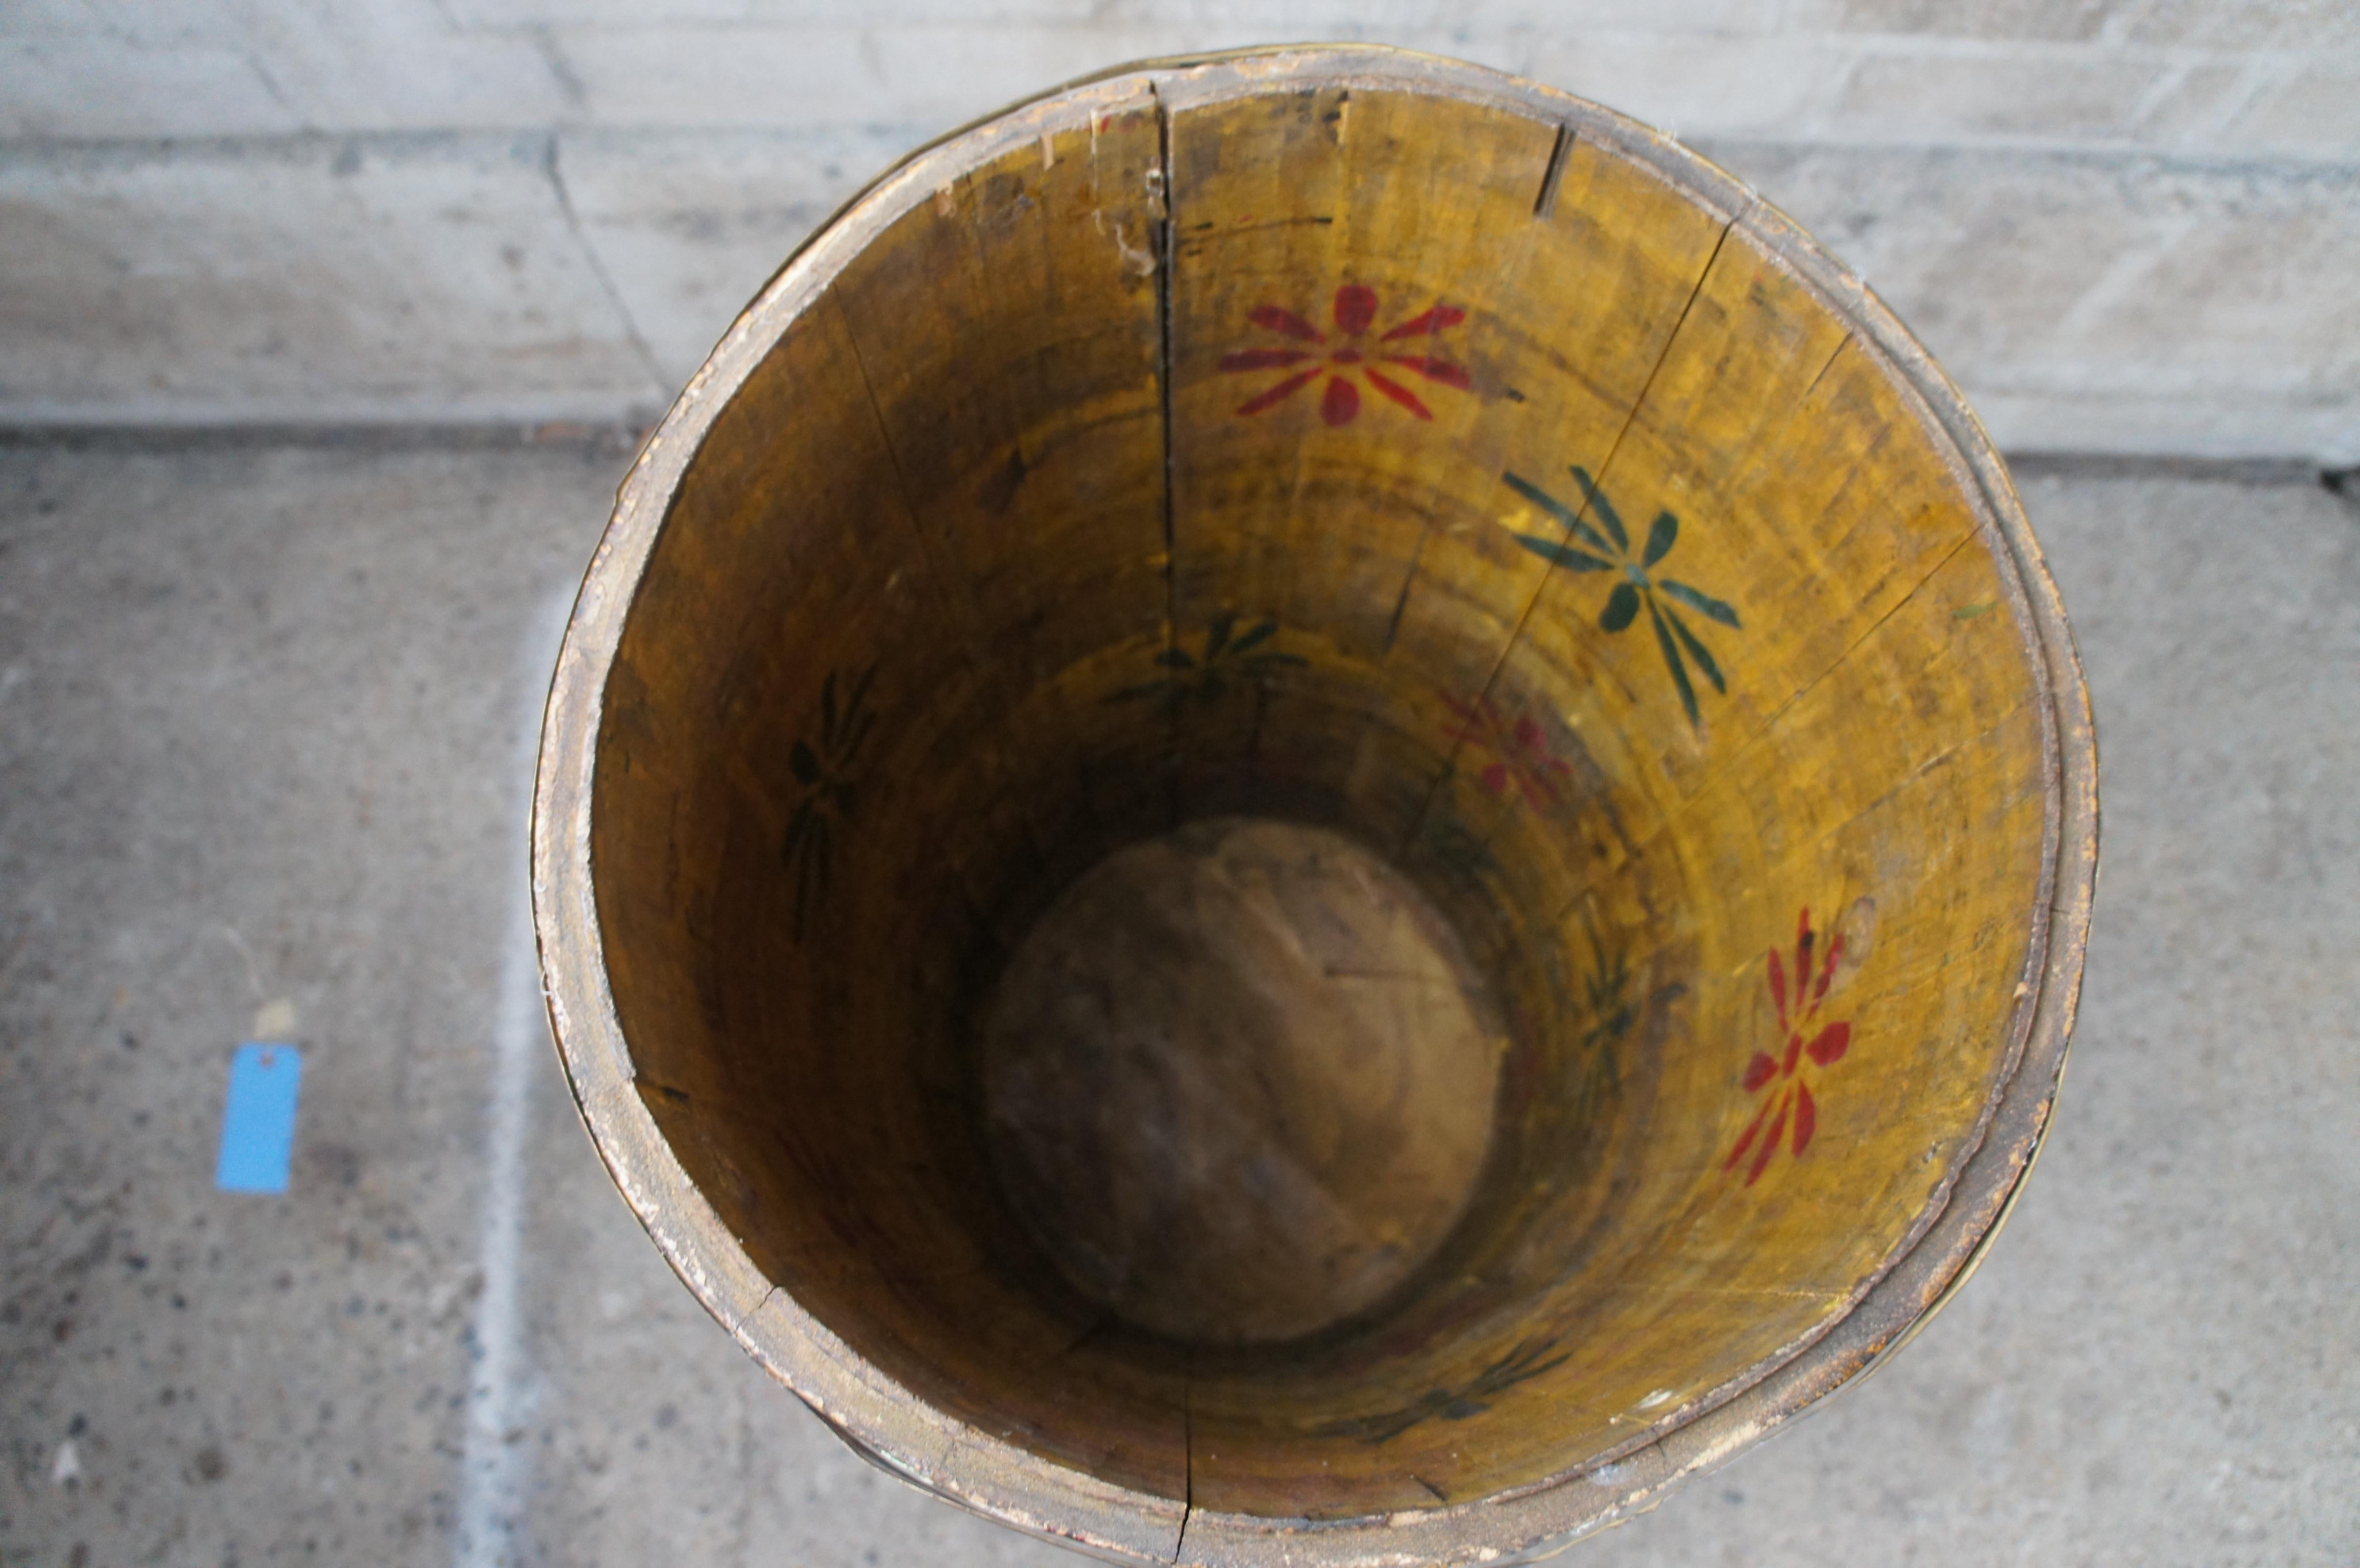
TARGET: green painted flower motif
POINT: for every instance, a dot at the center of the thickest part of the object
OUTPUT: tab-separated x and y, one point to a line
828	800
1227	658
1591	550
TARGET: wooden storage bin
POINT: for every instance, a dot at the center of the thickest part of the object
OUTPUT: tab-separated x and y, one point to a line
1469	480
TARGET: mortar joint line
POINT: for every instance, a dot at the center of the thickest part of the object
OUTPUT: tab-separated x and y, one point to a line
646	354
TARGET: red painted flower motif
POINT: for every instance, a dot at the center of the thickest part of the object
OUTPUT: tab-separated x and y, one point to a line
1792	1102
1521	750
1355	311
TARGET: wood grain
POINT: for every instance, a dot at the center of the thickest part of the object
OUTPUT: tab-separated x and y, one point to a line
1345	449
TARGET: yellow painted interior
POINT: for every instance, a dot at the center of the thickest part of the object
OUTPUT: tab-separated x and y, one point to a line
961	488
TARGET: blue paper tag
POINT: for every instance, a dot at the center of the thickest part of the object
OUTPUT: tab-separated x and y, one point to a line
258	1126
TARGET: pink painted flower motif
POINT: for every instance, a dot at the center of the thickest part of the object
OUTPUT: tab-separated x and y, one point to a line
1790	1103
1520	752
1355	311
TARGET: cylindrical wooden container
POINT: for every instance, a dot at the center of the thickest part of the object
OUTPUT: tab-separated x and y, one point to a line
1315	811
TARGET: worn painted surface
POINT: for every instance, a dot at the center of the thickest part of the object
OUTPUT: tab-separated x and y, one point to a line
1352	437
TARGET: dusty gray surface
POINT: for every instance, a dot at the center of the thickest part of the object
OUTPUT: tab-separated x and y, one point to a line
2123	224
261	737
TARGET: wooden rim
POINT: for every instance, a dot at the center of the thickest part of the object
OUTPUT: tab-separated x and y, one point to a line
957	1461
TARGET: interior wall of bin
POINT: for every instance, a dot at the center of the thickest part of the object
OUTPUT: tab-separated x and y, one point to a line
1017	546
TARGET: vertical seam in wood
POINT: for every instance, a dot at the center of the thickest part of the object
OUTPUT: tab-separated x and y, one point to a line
1544	204
955	606
968	628
1833	354
1552	178
1450	762
1713	773
1680	808
1276	583
1166	259
1170	257
1187	1460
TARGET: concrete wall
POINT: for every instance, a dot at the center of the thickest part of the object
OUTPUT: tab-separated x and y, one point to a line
2127	225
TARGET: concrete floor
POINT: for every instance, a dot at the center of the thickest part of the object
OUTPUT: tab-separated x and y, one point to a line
264	719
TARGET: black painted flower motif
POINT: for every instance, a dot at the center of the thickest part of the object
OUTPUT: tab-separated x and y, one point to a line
828	800
1662	597
1610	1018
1526	1361
1227	658
1608	983
1354	312
1455	847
